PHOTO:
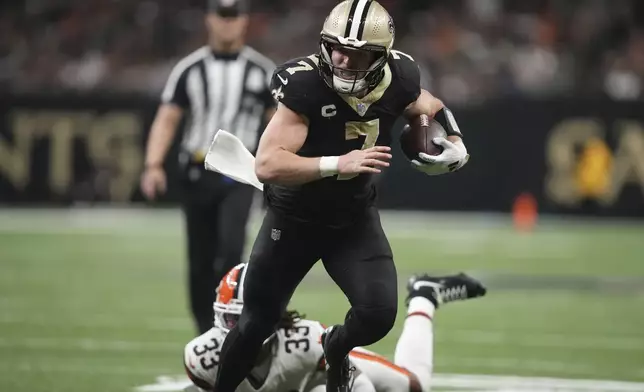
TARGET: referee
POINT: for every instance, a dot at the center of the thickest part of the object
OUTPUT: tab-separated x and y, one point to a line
224	85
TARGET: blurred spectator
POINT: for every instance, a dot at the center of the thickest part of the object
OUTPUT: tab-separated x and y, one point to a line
469	50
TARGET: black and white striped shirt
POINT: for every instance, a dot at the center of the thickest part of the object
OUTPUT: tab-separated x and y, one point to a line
221	91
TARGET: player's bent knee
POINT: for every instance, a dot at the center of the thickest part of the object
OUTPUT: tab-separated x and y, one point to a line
379	320
385	320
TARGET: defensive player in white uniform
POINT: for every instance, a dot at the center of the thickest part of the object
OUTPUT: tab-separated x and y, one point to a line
292	359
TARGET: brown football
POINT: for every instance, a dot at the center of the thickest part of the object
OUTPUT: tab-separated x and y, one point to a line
418	135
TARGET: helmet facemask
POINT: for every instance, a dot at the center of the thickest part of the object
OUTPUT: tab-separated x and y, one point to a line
227	315
351	81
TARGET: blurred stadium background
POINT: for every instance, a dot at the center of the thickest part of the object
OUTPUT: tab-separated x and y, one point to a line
549	212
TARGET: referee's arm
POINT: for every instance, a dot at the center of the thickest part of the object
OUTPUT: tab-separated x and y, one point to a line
164	128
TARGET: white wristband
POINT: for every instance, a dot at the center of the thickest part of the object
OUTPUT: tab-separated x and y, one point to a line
329	166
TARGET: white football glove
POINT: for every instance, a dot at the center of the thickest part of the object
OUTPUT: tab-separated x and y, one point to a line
453	157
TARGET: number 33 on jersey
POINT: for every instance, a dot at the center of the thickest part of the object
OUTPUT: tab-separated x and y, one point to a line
289	357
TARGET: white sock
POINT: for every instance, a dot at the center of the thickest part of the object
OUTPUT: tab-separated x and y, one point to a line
421	305
415	347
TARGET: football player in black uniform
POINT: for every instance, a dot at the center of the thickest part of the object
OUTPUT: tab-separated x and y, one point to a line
317	158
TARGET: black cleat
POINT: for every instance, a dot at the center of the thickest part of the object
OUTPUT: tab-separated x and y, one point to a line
444	289
339	376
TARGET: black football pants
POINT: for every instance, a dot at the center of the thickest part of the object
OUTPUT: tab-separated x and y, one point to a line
358	258
216	211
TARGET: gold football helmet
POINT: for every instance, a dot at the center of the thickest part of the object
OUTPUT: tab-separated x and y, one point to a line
361	25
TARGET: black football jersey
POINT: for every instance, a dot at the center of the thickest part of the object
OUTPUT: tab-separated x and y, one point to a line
339	124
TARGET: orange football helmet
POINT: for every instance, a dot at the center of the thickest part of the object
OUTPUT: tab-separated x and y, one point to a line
229	302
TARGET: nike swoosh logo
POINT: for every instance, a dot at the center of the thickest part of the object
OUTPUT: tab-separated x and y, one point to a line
424	283
284	81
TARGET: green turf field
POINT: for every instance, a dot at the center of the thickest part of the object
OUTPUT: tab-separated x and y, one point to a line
95	301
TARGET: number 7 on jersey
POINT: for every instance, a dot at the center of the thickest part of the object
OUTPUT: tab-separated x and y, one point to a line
354	129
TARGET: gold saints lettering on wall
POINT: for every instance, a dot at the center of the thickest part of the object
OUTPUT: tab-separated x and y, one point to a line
582	166
110	140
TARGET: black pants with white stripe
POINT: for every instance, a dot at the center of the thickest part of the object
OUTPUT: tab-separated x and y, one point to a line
216	211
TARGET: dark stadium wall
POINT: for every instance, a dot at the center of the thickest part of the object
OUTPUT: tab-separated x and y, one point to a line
573	156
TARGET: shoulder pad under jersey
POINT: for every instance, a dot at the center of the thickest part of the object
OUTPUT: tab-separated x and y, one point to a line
406	74
294	83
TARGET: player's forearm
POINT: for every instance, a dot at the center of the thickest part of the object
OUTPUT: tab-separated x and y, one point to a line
282	167
426	104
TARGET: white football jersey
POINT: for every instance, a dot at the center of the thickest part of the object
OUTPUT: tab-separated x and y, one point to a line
286	364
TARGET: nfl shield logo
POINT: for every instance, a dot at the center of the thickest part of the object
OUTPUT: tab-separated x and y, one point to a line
362	108
276	234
